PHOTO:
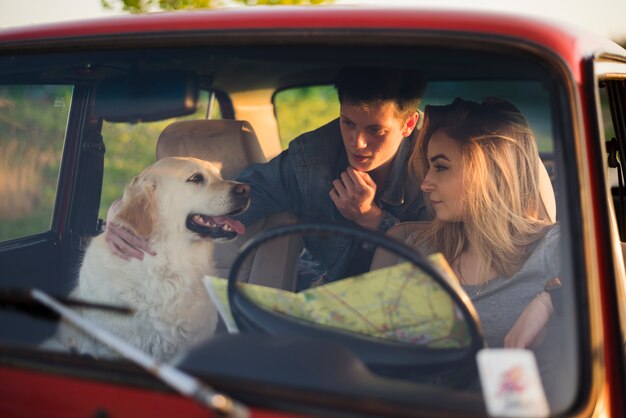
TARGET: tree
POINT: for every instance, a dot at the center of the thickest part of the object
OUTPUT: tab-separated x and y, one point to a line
144	6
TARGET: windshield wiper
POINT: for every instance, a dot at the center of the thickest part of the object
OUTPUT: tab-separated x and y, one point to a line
22	300
170	375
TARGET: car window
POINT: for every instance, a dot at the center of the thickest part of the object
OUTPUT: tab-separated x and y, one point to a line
210	236
532	98
33	119
130	147
302	109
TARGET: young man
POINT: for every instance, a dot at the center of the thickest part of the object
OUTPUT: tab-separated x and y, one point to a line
351	171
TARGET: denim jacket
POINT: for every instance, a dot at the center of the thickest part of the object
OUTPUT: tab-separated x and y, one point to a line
299	179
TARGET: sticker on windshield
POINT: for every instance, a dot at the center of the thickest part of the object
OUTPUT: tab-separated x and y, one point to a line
511	383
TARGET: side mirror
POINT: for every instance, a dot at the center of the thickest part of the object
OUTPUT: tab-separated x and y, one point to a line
147	96
407	320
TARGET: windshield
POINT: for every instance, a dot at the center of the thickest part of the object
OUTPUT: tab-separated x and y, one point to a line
189	153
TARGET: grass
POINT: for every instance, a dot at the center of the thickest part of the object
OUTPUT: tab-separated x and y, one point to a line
32	128
304	109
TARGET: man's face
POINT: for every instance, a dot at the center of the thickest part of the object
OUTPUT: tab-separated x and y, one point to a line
372	135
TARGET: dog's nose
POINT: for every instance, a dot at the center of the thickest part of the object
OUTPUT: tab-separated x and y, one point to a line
241	189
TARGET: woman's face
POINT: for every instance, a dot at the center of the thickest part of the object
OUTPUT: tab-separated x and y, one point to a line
444	180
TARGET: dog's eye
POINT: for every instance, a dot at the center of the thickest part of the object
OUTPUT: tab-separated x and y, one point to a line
196	178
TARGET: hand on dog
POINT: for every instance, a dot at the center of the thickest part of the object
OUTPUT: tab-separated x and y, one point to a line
122	242
353	194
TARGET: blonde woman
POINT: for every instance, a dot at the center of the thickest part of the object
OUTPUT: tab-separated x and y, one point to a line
479	164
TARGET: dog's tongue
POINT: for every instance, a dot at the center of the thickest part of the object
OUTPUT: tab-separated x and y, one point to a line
236	225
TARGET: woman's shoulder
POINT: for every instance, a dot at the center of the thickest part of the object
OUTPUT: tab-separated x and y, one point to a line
546	243
552	235
546	253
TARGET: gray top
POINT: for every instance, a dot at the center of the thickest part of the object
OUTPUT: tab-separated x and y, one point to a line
502	300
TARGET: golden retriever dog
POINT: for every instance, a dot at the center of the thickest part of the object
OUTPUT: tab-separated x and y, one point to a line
182	206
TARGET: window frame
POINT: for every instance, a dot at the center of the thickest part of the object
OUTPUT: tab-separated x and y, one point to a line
82	125
612	76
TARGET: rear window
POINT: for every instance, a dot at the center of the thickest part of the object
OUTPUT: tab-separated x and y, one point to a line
302	109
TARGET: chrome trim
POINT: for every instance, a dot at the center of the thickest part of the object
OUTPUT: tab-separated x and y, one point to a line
609	69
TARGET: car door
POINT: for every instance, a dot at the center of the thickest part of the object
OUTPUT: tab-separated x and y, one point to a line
41	130
611	104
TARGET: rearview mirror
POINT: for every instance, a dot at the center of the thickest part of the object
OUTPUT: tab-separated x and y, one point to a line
147	96
405	320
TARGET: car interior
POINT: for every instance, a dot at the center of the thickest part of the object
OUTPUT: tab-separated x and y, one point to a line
232	146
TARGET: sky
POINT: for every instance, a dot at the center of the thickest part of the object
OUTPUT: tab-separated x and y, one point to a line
605	17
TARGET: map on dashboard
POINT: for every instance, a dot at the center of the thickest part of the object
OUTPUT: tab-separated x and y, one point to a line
399	303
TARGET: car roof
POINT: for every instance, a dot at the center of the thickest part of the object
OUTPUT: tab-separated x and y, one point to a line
569	43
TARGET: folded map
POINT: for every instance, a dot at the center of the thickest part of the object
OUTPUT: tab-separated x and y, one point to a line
399	303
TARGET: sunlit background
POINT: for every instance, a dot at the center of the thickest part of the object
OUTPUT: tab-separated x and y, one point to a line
605	17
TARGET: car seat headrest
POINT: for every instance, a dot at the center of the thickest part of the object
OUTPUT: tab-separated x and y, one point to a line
230	145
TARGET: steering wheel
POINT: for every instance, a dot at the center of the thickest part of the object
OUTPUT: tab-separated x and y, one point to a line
390	358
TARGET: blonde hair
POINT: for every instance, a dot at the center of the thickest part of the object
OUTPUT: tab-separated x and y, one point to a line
501	198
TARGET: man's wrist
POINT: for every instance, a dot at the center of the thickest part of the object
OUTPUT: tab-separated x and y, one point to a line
372	219
387	220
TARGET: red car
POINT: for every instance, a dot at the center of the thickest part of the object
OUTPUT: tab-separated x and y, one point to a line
82	108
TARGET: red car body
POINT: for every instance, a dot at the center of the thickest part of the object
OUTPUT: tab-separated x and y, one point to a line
38	385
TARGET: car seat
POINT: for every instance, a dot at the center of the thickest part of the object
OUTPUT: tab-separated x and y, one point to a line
232	145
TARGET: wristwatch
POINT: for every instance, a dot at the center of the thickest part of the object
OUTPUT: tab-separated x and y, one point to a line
387	221
554	288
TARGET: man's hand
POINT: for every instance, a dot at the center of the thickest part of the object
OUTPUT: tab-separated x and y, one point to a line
353	194
121	241
529	329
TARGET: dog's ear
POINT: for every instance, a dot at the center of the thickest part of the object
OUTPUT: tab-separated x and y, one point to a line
139	210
